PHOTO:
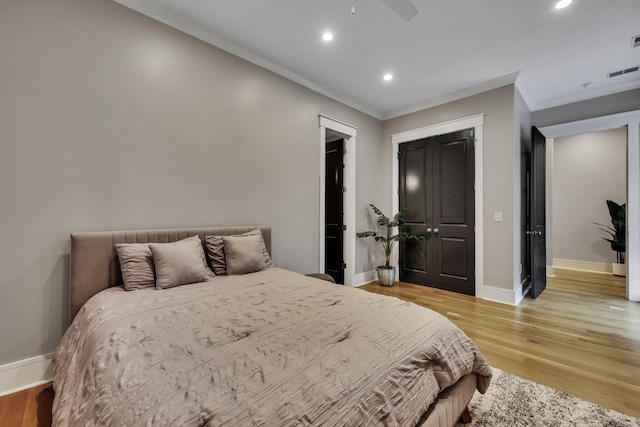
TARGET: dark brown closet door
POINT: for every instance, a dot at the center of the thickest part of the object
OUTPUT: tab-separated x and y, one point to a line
333	213
436	188
537	203
416	188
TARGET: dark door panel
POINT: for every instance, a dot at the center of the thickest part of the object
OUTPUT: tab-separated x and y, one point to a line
415	196
536	231
333	214
415	261
452	208
453	260
415	180
436	188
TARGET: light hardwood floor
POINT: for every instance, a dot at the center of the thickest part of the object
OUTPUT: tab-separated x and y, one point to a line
580	336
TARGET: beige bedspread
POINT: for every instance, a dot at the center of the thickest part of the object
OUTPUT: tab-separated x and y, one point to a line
265	349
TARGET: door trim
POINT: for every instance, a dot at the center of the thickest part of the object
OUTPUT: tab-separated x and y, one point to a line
631	120
349	201
476	122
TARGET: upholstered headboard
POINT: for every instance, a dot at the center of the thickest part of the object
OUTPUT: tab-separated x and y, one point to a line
94	264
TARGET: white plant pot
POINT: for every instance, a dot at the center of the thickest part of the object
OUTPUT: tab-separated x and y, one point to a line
619	269
386	276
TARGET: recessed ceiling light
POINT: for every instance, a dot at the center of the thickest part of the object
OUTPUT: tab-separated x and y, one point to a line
327	36
388	77
562	4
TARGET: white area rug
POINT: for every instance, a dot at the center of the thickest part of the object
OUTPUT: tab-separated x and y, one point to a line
513	401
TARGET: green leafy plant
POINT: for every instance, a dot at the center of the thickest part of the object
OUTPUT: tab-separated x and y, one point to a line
388	240
617	230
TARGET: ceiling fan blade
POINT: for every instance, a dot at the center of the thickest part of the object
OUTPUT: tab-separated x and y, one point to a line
404	8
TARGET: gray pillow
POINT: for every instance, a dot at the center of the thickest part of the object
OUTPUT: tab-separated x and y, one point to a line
216	255
136	265
243	254
179	263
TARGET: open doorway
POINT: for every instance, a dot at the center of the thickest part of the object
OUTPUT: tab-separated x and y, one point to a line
343	192
630	121
334	224
584	171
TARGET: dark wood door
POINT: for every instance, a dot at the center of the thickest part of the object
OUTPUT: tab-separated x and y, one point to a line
536	231
436	187
333	211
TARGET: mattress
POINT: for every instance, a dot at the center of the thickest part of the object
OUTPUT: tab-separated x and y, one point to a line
267	348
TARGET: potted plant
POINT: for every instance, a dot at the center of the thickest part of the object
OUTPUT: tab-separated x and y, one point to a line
387	273
618	233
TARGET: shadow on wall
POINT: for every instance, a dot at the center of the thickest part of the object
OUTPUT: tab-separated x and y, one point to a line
56	299
602	248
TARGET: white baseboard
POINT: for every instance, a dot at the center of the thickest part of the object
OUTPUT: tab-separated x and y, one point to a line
551	272
504	296
517	293
596	267
364	278
24	374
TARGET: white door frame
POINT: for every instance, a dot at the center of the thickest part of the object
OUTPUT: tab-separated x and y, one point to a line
477	123
631	120
349	197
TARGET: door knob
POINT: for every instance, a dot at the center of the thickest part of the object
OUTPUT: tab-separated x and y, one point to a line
435	230
429	230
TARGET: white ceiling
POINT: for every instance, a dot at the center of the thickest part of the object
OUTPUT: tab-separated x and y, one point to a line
451	49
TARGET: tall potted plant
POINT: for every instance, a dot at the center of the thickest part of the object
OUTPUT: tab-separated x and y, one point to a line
387	273
618	233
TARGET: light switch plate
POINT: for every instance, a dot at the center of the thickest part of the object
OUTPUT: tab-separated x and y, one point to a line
497	216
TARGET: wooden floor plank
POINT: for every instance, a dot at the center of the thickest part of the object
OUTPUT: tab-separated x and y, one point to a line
28	408
12	409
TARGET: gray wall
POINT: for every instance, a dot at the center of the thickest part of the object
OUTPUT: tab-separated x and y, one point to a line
110	120
596	107
588	169
500	154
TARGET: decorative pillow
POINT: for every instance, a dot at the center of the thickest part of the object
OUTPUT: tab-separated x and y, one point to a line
243	254
215	251
179	263
136	265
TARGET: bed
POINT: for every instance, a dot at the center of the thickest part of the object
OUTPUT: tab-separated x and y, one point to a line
267	348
